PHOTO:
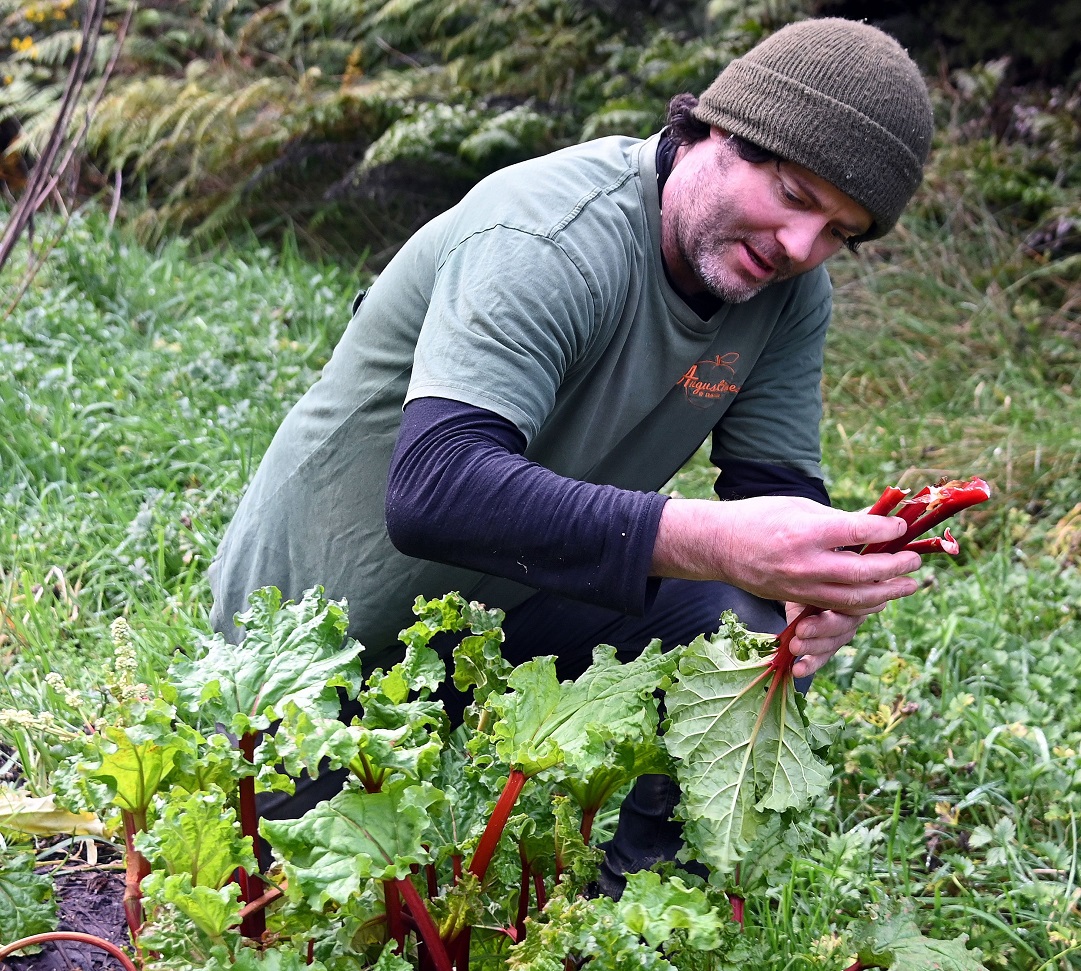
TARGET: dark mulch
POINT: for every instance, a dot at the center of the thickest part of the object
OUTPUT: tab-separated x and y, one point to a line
90	901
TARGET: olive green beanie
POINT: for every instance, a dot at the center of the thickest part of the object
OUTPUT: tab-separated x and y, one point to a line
839	97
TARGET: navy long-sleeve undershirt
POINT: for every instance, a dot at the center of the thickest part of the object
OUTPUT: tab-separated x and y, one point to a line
461	491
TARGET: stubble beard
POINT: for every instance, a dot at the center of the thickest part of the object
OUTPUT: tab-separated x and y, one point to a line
717	276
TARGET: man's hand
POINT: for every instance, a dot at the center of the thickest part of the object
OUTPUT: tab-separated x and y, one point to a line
787	549
821	636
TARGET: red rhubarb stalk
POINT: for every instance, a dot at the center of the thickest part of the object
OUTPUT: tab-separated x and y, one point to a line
523	893
929	507
77	936
261	903
538	888
426	928
737	907
251	886
586	829
887	502
395	925
936	544
494	830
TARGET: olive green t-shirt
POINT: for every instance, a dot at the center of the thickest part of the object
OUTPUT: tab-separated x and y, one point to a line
541	297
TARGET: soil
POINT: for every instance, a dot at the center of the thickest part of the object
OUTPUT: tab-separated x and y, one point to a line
90	901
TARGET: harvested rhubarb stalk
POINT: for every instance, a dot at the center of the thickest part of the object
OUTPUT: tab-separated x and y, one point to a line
923	511
927	508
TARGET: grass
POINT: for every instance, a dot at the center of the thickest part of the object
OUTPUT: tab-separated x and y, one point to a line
139	390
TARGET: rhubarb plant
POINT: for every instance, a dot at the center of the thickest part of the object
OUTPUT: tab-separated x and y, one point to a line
450	847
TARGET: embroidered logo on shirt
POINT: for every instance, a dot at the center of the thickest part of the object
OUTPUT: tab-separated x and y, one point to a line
706	382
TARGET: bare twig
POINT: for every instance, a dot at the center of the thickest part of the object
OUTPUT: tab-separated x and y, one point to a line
45	176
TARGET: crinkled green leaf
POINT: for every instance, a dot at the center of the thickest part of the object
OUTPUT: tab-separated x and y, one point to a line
625	759
421	671
525	716
741	748
434	616
542	722
894	941
303	743
389	961
209	762
589	931
478	660
212	910
464	904
656	909
579	861
291	652
26	899
135	762
471	789
197	835
354	837
633	932
273	959
314	745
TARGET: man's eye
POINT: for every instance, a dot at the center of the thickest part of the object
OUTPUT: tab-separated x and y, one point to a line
791	196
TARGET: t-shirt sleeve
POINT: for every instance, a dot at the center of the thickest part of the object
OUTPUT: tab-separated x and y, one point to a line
459	491
510	314
775	417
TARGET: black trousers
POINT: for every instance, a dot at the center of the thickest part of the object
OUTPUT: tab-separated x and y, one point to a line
550	624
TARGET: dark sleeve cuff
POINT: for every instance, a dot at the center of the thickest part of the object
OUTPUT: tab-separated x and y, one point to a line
741	479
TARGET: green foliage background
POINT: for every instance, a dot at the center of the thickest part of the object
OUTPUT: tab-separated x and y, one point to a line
351	122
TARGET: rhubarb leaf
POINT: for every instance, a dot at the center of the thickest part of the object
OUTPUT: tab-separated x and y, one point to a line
302	743
478	658
421	671
198	835
273	959
26	899
212	910
134	761
291	652
356	836
738	733
525	717
624	760
895	942
656	910
471	787
389	961
543	723
651	919
578	860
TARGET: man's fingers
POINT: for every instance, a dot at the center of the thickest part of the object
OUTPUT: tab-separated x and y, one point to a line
859	529
875	567
862	599
809	664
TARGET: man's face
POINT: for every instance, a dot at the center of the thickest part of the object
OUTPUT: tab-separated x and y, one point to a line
733	227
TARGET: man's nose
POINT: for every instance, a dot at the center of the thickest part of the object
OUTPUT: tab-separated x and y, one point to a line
799	235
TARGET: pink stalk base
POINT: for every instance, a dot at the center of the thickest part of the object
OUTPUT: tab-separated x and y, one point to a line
136	867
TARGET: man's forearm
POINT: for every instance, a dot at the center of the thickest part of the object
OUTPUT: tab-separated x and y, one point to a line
784	549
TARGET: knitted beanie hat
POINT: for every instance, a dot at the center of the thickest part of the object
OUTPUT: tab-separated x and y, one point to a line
840	98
